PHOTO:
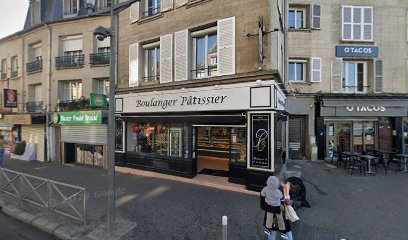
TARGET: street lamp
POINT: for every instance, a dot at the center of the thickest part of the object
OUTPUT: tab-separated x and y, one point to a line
101	34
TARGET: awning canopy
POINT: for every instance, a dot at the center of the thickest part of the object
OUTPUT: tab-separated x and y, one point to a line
355	102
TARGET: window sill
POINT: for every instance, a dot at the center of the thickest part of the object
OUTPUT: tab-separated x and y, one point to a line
74	67
300	30
356	42
150	18
150	83
34	72
195	3
100	65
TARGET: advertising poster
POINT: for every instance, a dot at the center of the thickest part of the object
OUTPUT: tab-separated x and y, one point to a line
10	98
260	141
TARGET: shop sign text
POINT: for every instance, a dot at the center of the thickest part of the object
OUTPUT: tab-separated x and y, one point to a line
366	109
357	51
181	101
82	117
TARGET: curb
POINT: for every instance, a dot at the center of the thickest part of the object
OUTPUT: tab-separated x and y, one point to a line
44	224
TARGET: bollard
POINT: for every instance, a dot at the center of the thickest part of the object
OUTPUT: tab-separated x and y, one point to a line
224	227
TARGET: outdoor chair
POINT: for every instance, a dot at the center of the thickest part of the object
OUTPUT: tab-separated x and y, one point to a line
382	161
357	162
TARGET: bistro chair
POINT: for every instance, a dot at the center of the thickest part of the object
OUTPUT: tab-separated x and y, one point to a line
382	161
357	162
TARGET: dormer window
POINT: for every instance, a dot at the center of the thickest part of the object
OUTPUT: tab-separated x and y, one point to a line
71	8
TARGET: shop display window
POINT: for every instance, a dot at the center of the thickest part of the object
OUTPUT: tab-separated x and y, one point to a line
158	138
280	140
405	134
91	155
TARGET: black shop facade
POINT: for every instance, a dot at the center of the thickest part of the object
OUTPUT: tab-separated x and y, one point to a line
362	124
236	131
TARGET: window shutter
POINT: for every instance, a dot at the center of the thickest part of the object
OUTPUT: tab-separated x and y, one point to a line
317	12
166	5
19	65
134	76
9	70
166	58
226	46
316	69
180	3
134	12
347	23
368	24
379	75
182	54
336	80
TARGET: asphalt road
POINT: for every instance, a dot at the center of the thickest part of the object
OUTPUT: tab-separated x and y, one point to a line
12	229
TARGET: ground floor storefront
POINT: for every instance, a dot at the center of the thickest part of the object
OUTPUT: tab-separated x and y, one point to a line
362	125
81	137
237	131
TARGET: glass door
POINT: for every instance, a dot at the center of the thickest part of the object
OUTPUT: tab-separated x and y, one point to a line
358	143
343	131
364	136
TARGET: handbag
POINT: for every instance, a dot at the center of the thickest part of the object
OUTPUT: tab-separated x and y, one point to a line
291	214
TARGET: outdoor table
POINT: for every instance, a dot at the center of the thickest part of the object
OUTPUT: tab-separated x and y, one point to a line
368	158
404	158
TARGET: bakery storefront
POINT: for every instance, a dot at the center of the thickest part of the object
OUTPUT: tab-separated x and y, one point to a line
235	131
362	124
83	137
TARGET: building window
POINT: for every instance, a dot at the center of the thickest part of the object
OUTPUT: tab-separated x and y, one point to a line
297	71
102	86
297	18
354	77
104	4
152	63
14	66
153	7
205	55
72	90
71	7
4	68
357	23
103	50
158	138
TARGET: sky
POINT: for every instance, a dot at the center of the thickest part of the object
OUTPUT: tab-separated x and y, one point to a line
13	14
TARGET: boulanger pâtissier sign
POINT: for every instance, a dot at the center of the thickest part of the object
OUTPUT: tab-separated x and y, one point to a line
242	96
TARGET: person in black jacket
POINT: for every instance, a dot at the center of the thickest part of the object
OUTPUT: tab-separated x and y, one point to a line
298	193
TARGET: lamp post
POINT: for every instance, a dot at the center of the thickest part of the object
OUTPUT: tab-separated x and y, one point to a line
102	33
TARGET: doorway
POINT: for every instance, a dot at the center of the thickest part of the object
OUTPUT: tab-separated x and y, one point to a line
220	146
297	133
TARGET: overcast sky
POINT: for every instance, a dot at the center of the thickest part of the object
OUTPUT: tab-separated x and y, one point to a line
13	13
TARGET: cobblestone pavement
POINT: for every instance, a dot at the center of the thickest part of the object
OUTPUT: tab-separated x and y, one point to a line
343	206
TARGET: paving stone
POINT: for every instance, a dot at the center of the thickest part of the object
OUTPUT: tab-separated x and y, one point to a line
11	210
26	217
46	224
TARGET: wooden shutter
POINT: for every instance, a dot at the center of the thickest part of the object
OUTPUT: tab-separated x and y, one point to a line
166	5
180	3
379	75
181	52
346	22
368	24
9	70
166	58
316	15
134	12
134	73
316	69
20	66
336	78
226	46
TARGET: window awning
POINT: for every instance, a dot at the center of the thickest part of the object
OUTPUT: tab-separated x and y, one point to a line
355	102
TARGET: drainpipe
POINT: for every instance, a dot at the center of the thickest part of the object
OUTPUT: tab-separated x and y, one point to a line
48	106
285	40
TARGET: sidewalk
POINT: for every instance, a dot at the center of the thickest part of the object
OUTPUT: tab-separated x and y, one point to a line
351	207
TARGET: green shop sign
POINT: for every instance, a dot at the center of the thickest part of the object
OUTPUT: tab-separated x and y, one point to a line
82	117
98	100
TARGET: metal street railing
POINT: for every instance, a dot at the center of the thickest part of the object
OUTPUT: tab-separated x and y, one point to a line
64	199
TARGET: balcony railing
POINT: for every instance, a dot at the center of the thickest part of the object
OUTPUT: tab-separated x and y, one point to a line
35	66
151	11
14	74
70	61
3	76
34	106
73	105
99	58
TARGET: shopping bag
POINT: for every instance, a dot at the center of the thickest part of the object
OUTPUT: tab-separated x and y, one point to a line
291	214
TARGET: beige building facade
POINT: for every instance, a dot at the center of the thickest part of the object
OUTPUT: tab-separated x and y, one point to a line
347	77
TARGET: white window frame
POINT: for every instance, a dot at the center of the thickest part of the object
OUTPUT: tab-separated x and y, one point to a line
14	65
297	61
102	84
146	48
102	4
355	88
67	85
4	67
70	14
298	9
157	6
200	34
361	24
